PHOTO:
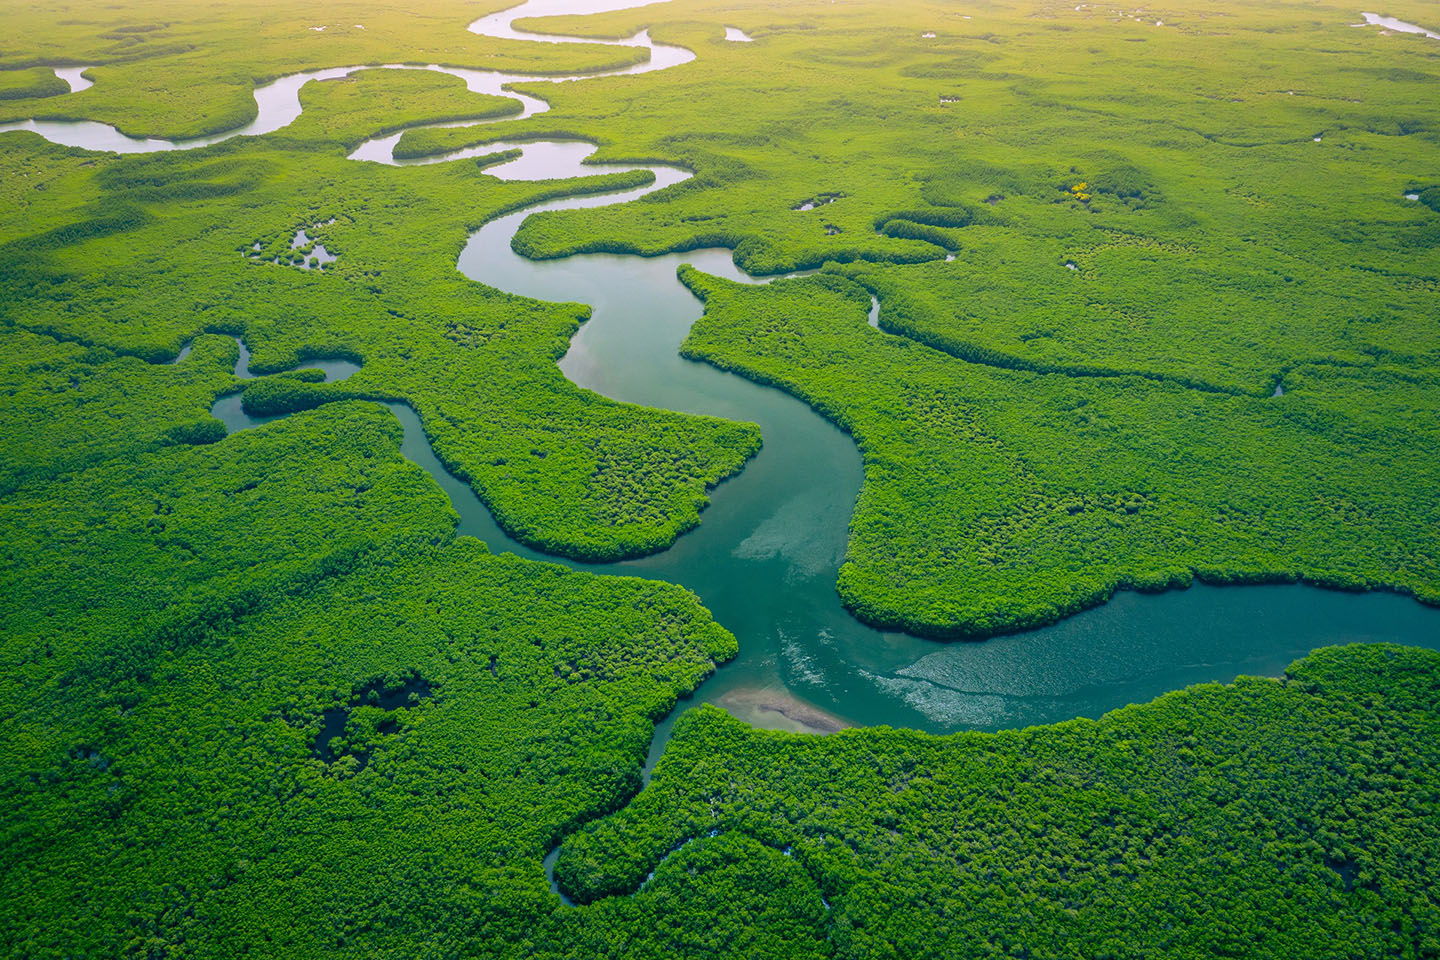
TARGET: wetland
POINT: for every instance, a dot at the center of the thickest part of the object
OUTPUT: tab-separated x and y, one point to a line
951	602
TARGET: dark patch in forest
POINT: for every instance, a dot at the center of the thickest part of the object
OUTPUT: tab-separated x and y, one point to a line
407	691
1349	872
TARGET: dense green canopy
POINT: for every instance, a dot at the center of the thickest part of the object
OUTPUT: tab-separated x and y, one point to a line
1157	299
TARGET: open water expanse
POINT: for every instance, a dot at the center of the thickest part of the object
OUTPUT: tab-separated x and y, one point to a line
766	555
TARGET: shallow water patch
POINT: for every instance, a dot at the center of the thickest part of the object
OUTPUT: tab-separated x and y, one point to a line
314	255
776	708
1390	23
817	201
390	696
305	253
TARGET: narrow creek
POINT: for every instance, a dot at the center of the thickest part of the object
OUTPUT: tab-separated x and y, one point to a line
1390	23
278	105
766	556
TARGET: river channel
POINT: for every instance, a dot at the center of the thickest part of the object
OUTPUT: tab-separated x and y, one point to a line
766	555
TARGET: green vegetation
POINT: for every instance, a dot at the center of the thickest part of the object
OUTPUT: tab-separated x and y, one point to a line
345	110
1202	256
34	82
256	697
996	499
180	621
1020	142
1270	818
484	160
1198	259
432	142
111	407
148	251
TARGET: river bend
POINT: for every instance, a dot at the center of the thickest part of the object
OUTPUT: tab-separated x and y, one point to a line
765	558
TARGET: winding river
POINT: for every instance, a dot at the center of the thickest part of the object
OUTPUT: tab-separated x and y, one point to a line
765	558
